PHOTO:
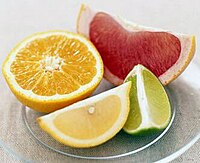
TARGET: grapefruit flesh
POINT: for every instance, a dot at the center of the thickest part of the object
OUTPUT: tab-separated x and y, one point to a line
121	49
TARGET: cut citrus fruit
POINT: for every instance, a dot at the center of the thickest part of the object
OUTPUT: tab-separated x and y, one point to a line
90	122
149	104
50	70
123	45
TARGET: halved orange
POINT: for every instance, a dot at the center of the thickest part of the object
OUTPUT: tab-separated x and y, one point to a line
50	70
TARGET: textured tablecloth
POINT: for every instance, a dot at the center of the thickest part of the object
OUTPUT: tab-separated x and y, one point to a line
191	156
21	18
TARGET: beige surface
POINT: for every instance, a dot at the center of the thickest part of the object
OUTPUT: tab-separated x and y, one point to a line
191	156
21	18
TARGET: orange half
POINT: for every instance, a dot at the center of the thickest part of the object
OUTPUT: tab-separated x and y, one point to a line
50	70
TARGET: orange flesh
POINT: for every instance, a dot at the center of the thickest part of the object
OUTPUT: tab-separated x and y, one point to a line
53	65
83	123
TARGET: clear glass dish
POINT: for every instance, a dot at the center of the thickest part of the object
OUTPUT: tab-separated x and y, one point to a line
123	143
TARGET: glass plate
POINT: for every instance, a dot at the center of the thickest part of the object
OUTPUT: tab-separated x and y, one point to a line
124	144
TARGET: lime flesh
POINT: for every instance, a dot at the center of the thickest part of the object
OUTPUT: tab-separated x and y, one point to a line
150	108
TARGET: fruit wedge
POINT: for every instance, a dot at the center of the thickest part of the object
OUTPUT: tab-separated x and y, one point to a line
50	70
90	122
123	45
149	104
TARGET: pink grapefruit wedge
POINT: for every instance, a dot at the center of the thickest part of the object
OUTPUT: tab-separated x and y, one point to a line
123	45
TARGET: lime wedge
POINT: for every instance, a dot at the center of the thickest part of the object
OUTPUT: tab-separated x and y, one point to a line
149	104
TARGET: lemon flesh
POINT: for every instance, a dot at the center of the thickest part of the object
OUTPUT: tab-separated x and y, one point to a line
87	121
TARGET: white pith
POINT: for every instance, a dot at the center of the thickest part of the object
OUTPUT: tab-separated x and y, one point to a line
142	98
87	16
122	92
52	63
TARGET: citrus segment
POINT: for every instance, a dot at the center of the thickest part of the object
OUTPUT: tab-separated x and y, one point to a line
150	107
123	45
53	67
90	122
